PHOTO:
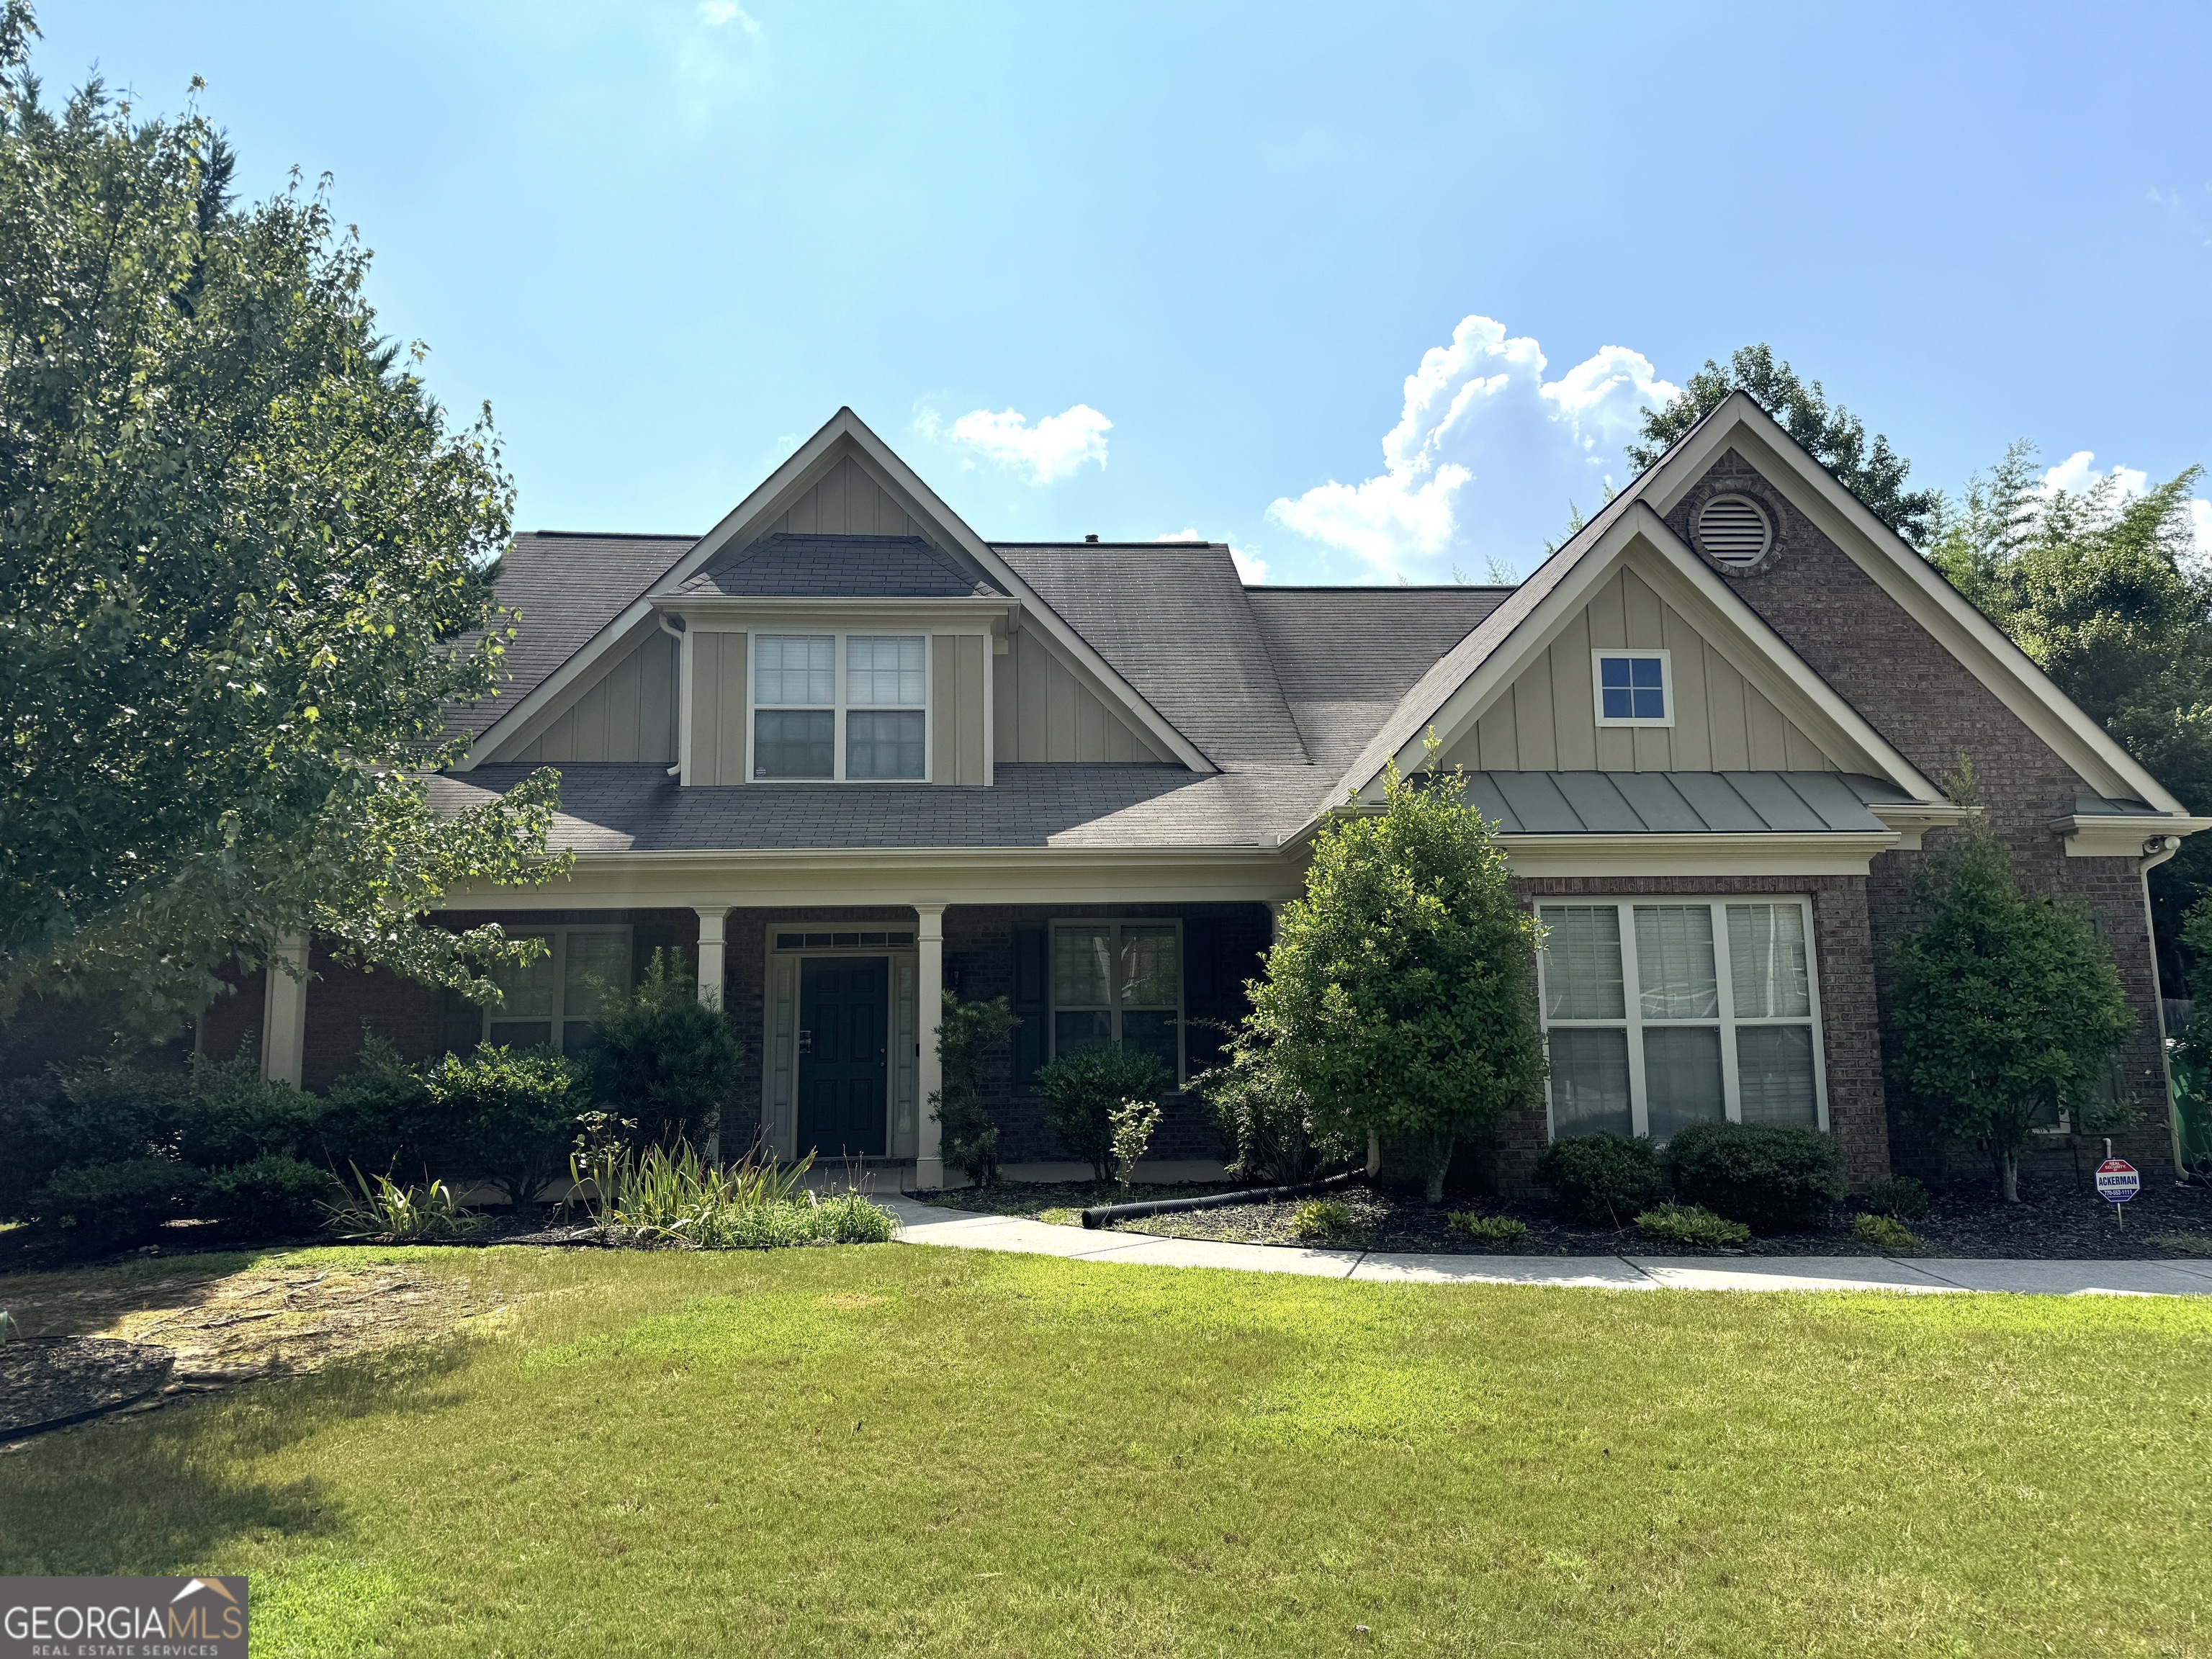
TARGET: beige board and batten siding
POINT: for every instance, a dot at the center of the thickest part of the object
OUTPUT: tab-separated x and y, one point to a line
956	707
1044	712
1546	721
628	714
717	707
846	501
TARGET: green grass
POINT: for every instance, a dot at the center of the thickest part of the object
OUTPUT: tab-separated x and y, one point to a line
906	1451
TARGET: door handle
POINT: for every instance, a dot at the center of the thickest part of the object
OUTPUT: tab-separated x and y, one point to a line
806	1043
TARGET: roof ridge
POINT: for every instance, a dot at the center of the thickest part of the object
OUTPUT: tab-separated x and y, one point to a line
611	535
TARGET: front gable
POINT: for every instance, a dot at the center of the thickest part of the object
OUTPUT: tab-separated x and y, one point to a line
1723	718
841	528
1521	684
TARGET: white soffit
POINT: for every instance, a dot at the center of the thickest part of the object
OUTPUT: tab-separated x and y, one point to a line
1918	587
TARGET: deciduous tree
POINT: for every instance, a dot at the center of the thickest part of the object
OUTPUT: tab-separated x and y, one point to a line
246	563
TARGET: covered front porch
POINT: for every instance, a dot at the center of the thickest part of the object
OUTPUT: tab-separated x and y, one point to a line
835	988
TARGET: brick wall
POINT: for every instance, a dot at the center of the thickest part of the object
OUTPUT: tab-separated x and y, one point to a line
1925	700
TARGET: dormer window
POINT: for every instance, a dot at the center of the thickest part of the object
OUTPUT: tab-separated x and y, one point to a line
804	730
1633	687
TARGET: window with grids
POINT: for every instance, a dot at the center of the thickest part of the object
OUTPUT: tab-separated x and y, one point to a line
1633	687
804	729
1664	1013
1118	984
551	1003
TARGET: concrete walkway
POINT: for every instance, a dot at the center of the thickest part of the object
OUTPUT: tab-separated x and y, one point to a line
926	1224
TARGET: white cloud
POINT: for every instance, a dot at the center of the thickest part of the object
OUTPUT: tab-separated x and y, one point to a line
2077	475
1250	567
1485	455
715	14
1055	448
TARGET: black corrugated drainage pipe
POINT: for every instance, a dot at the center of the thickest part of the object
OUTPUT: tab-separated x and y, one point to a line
1100	1215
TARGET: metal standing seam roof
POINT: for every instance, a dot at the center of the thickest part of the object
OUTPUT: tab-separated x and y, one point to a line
1679	803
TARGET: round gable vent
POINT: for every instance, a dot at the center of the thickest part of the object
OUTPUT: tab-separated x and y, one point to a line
1733	530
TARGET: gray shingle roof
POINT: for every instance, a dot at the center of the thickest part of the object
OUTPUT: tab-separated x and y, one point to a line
1172	619
1677	803
1344	656
626	808
790	566
566	587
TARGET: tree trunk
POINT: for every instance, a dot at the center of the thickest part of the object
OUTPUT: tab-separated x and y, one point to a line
2008	1175
1374	1154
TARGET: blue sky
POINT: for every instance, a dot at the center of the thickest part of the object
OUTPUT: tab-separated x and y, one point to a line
1369	292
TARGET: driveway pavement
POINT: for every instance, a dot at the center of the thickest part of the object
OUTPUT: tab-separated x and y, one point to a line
927	1223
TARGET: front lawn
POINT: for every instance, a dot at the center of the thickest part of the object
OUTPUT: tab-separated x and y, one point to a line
902	1450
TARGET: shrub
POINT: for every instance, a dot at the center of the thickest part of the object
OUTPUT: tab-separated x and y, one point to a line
1691	1223
2009	1010
88	1115
663	1060
965	1032
1269	1124
509	1115
1133	1123
1602	1178
1081	1090
1775	1176
1492	1229
1400	993
232	1114
379	1116
403	1215
1885	1232
1896	1195
271	1195
101	1206
1321	1217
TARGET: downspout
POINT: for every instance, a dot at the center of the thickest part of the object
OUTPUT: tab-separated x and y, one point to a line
2157	851
675	631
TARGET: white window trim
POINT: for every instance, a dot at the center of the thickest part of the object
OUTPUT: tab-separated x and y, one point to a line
1619	653
1052	1005
557	935
839	706
1725	1019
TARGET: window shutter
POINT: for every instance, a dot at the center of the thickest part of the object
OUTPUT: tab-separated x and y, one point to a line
1030	1000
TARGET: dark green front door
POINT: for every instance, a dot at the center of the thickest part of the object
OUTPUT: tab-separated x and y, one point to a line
844	1017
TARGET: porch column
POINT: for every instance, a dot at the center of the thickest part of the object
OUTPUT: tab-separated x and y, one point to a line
712	969
929	1071
284	1012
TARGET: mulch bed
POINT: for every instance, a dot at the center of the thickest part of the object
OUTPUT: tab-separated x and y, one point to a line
47	1383
2055	1221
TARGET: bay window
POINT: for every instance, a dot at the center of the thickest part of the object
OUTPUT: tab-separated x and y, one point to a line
1664	1012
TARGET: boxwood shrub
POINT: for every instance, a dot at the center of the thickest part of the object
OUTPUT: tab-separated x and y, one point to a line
1774	1177
1604	1179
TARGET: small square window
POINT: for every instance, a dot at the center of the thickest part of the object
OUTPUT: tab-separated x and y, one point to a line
1633	687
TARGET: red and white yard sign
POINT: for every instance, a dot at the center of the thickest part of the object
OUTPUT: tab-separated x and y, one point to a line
2117	1181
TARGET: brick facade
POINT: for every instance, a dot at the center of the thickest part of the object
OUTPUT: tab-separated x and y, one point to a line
1920	697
